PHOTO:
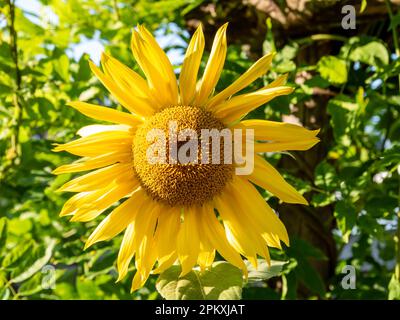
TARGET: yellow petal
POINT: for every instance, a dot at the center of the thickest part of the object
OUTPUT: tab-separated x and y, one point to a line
105	114
215	233
188	241
255	71
278	82
96	144
213	68
146	220
85	164
165	64
134	104
207	251
266	229
166	263
239	233
276	131
257	211
239	106
283	146
146	256
125	77
156	66
206	257
98	179
139	280
118	219
166	235
86	206
126	252
267	177
190	67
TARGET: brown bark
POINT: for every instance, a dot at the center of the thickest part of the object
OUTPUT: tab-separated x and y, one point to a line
295	19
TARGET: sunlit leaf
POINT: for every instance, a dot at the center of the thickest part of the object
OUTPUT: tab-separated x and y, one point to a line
264	271
222	281
37	264
333	69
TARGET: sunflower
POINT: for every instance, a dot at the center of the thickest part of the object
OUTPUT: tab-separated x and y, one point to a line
173	212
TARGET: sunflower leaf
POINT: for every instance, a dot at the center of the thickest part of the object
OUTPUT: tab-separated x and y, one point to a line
221	281
263	271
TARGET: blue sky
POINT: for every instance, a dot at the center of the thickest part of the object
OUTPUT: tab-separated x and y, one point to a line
94	47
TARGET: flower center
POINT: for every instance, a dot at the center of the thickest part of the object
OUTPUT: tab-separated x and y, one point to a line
173	160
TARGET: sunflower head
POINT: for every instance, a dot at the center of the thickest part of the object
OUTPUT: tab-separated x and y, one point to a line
180	210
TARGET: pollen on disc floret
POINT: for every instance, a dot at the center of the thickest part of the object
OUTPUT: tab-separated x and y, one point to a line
178	184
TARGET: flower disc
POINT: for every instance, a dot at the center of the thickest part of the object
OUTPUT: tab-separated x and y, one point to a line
177	183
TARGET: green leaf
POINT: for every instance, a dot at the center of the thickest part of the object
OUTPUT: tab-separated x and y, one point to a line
84	73
61	66
221	281
20	226
322	199
3	233
304	249
37	265
307	274
88	290
305	253
17	254
332	69
5	293
346	216
65	291
342	110
373	53
317	81
366	50
32	286
103	260
263	271
289	51
394	288
390	158
285	66
326	176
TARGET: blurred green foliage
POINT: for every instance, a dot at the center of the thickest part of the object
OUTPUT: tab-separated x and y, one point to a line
39	75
